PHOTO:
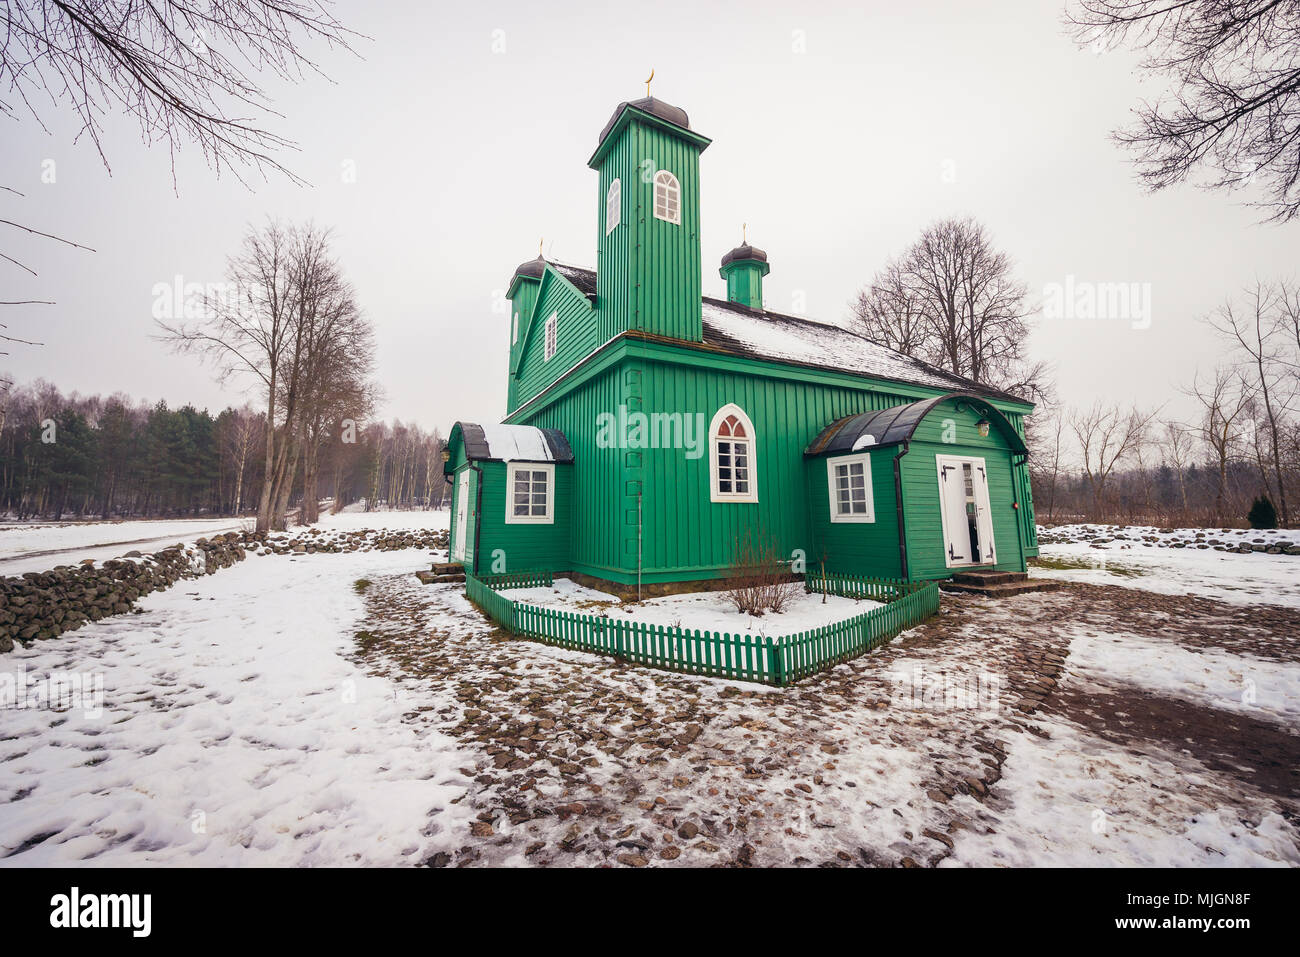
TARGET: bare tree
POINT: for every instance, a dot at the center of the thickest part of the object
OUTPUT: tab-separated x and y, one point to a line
952	300
1225	400
1046	461
890	311
1255	328
1179	442
1234	107
337	344
1107	436
293	325
245	431
184	69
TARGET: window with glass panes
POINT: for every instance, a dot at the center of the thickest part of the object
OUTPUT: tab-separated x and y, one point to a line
733	457
531	488
850	489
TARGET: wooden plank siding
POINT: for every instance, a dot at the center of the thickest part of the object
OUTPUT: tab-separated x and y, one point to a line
576	336
685	536
648	271
509	548
926	547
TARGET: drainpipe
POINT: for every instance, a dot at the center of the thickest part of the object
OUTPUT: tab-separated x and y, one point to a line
1020	518
638	546
478	514
898	498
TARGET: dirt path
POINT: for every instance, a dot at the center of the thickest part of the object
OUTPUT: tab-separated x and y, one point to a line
891	759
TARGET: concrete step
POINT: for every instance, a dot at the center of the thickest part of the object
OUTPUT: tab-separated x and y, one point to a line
1000	590
979	577
433	578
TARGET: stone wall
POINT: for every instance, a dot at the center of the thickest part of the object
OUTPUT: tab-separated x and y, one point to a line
37	606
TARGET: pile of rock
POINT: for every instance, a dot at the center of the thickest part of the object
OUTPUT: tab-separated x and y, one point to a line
39	605
1220	540
313	540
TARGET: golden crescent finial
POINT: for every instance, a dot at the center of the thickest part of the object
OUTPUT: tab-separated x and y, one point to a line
744	229
648	79
539	247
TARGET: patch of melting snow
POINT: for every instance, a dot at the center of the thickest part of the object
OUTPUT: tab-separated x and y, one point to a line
232	732
698	611
1241	579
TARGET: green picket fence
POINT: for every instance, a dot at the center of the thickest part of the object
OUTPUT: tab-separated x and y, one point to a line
853	586
764	659
518	580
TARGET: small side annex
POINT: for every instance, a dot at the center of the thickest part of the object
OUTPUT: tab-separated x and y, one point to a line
917	491
512	494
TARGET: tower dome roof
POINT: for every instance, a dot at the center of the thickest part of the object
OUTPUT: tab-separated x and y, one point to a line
648	104
745	252
532	269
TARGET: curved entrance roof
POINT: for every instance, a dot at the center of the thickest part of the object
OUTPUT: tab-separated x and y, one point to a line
897	424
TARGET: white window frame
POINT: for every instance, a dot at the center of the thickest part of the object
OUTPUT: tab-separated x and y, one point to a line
832	481
512	468
667	186
613	206
514	335
751	440
552	336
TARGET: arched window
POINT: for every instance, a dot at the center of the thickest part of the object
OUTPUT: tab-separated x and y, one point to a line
514	335
613	206
668	197
732	468
552	341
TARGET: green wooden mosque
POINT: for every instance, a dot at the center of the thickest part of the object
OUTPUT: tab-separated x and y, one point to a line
652	428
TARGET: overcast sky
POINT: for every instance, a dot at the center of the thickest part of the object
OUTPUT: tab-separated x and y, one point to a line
838	134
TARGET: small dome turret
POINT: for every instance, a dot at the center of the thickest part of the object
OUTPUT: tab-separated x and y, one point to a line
744	268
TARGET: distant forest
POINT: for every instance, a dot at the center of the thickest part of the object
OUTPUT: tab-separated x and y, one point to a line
70	456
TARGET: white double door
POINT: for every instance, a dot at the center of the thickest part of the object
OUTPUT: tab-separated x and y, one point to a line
964	506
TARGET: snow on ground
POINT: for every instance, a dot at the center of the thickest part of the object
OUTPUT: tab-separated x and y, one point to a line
588	761
1075	800
353	520
271	714
234	730
1250	578
1072	797
699	611
1205	676
1169	537
39	547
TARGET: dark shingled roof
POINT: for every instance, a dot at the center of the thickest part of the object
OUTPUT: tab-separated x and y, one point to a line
648	104
761	334
893	426
584	279
744	252
532	269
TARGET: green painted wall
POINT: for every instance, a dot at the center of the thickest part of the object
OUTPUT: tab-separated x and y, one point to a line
509	547
745	282
858	548
522	296
598	531
925	544
648	271
576	337
687	536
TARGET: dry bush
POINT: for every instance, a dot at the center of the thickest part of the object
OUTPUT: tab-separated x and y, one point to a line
760	581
